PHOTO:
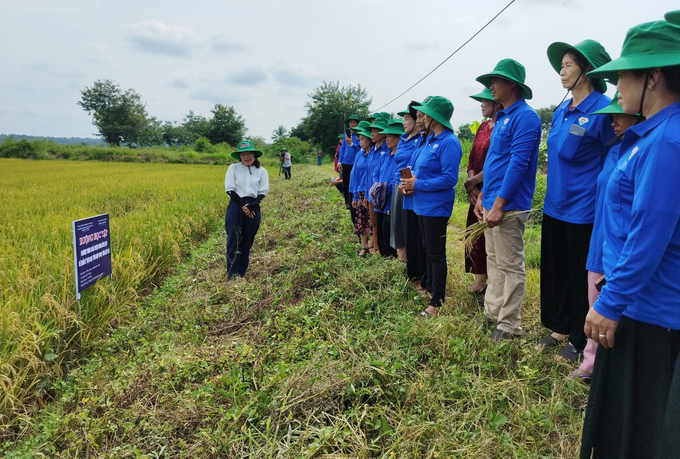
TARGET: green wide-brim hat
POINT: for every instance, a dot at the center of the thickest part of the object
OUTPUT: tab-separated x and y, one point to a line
244	146
341	136
591	50
365	133
361	126
673	17
613	108
410	109
380	123
394	127
439	109
484	95
350	118
646	46
508	69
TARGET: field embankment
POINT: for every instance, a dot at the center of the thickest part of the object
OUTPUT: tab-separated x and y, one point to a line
317	353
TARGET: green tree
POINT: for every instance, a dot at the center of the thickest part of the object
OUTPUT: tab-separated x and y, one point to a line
175	134
546	118
226	126
196	126
279	133
464	132
119	116
330	104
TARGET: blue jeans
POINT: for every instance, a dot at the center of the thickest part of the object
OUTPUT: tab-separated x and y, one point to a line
318	160
241	231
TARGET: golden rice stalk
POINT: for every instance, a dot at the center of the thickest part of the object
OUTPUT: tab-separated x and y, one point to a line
475	231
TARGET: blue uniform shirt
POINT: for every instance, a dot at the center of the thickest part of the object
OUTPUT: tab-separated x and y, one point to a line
347	152
436	171
577	146
403	155
373	164
358	175
594	262
512	159
408	200
642	225
384	173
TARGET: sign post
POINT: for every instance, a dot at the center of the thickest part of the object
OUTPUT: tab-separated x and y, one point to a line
91	251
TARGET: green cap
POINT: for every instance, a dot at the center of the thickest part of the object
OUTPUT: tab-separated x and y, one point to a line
484	95
673	16
244	146
361	126
613	108
646	46
350	118
508	69
592	51
439	109
395	127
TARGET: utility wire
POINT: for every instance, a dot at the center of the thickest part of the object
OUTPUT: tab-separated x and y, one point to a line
450	56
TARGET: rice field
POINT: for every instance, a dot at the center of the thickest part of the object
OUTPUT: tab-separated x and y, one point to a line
157	212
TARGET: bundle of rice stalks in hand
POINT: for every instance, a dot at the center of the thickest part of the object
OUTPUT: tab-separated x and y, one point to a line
475	231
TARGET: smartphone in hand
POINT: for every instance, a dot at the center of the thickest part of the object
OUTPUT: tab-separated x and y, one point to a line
406	173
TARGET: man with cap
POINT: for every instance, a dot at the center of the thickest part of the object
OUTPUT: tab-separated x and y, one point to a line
286	163
509	184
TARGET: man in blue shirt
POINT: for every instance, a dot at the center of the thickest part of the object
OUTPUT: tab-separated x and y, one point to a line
348	150
509	183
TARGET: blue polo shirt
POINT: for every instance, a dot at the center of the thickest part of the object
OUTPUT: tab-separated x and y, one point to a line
408	200
436	171
594	262
347	152
512	159
577	146
641	252
358	176
403	155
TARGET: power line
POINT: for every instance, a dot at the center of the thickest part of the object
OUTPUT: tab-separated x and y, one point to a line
450	56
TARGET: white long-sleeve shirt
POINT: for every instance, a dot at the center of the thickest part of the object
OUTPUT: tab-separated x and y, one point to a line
247	182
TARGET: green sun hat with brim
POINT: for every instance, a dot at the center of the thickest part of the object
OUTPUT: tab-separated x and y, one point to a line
243	147
511	70
341	136
379	115
410	109
482	96
394	127
380	123
646	46
591	50
439	109
350	118
361	126
365	133
673	17
613	108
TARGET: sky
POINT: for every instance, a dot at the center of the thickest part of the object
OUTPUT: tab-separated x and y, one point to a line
265	57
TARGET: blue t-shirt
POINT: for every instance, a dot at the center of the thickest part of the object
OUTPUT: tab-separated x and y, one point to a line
373	163
577	146
512	159
358	175
436	171
594	262
641	252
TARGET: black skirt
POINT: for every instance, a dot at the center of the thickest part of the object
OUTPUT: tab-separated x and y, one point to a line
634	404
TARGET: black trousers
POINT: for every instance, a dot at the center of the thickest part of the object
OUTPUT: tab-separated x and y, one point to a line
564	278
384	246
416	261
433	230
346	172
241	231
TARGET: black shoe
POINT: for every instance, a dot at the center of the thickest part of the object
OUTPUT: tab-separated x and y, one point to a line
498	335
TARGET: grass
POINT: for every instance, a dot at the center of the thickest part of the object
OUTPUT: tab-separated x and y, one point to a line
317	353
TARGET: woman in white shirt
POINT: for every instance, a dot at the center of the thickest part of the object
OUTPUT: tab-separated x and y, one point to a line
246	183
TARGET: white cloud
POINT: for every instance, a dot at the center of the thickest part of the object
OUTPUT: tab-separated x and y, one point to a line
156	37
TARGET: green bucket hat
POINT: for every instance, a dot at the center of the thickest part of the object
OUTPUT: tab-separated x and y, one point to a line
613	108
439	109
646	46
411	109
244	146
508	69
673	16
378	115
350	118
361	126
592	51
365	133
395	127
484	95
341	136
380	123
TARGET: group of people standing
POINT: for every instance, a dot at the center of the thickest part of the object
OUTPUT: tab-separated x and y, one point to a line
610	243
